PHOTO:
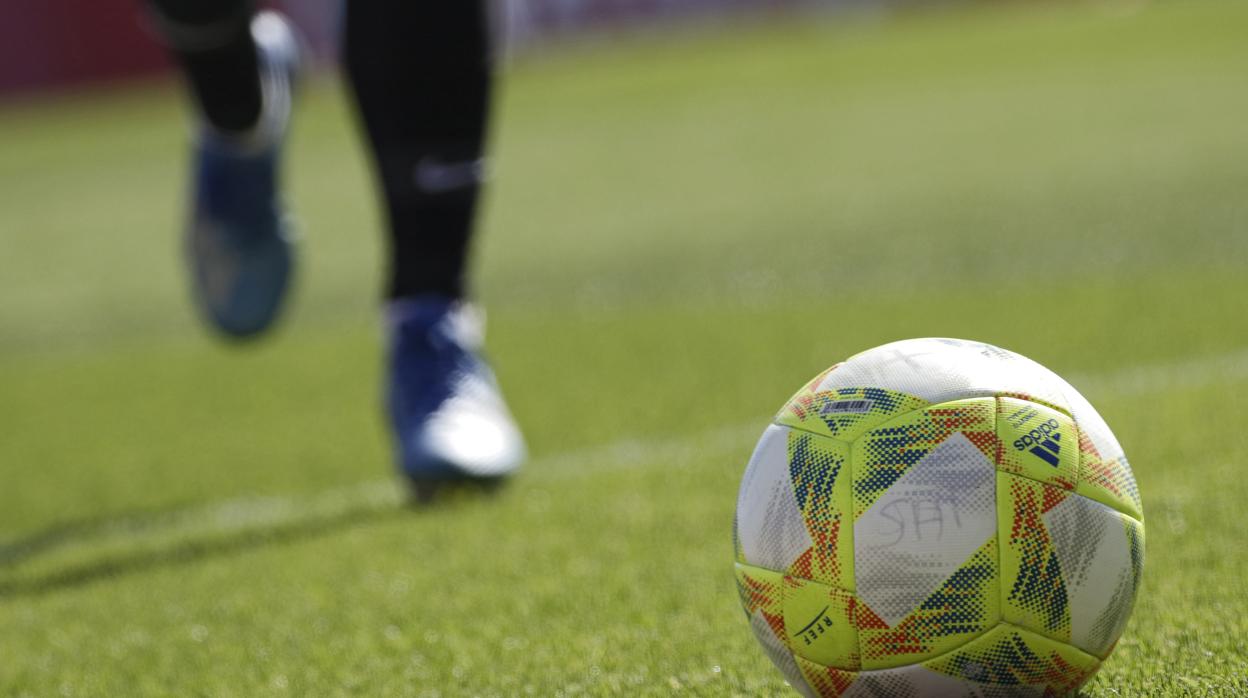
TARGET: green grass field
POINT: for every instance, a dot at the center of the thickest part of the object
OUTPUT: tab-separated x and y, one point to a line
682	231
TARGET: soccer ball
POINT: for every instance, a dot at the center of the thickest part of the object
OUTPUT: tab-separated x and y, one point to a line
937	517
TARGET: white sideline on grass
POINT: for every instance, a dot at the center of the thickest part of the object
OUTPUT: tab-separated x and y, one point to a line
137	535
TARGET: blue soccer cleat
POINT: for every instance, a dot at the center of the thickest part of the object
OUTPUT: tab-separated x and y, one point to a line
449	420
240	238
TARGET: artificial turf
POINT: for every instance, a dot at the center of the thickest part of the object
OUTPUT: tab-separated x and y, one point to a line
682	230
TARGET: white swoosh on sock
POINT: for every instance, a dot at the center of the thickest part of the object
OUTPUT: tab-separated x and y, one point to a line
433	176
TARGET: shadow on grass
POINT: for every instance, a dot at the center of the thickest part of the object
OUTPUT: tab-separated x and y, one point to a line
79	531
184	536
185	552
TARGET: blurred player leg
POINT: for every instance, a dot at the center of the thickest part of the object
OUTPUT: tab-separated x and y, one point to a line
212	41
422	73
240	66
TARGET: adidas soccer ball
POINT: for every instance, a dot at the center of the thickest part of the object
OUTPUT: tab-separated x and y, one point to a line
937	517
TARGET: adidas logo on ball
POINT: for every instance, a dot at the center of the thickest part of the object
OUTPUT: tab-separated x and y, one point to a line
1042	442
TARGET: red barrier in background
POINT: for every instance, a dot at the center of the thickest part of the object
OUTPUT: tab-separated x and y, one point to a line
55	43
60	43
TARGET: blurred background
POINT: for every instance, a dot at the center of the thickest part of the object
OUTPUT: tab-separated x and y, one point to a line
75	42
698	205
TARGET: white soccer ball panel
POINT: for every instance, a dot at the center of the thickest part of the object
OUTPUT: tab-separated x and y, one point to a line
921	682
770	528
944	370
1095	553
926	526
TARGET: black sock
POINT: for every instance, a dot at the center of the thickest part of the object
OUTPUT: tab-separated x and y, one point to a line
212	41
421	72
